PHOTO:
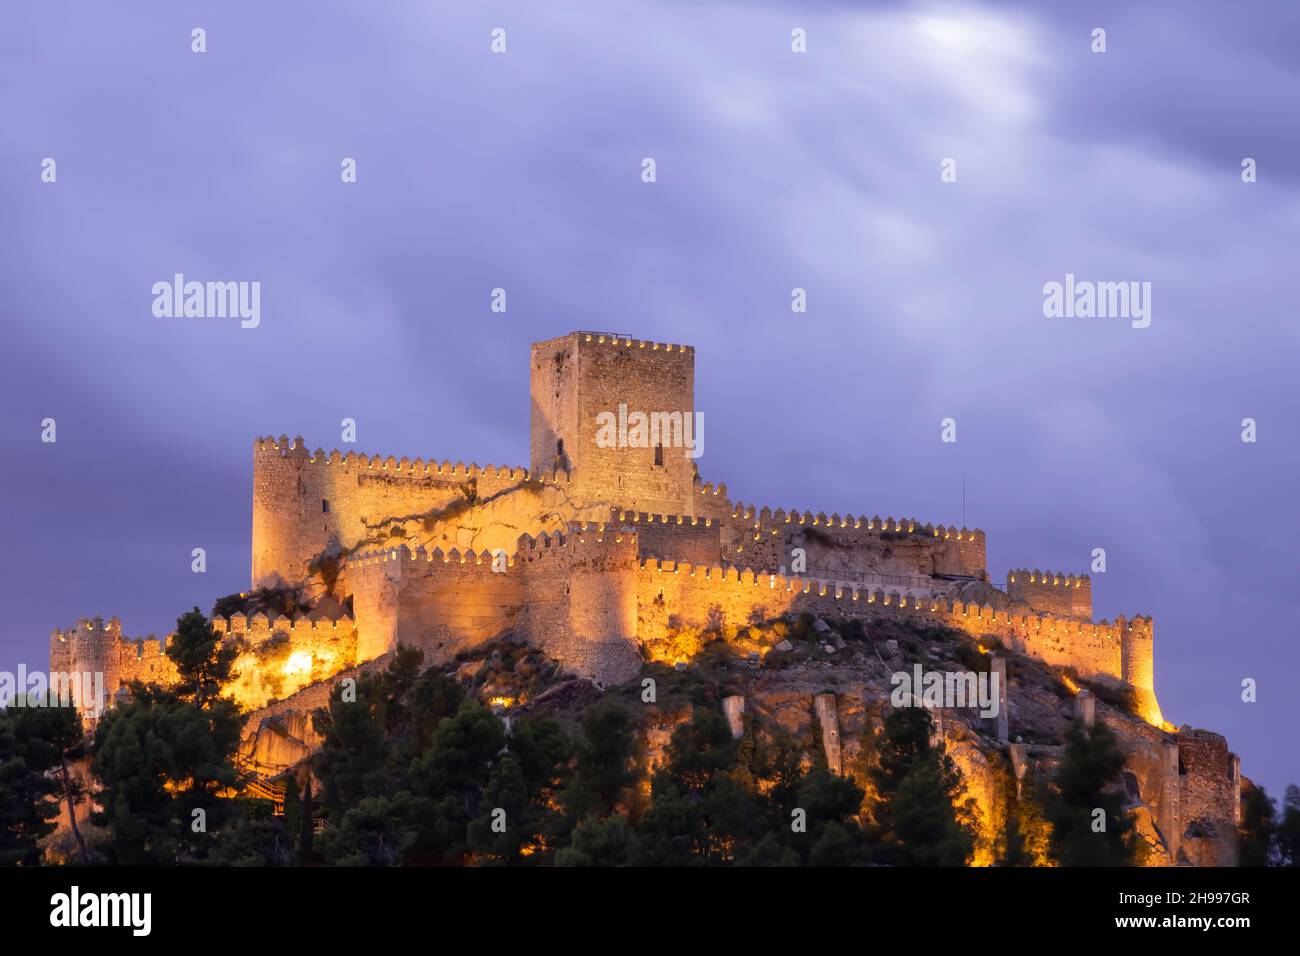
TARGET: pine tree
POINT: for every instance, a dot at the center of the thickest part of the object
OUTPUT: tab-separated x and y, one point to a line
34	743
605	758
700	812
1089	825
203	666
166	758
508	820
354	758
608	842
451	777
920	810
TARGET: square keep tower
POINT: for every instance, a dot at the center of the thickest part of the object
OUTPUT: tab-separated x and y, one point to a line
618	413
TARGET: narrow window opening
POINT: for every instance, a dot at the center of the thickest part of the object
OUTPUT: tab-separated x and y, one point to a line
324	505
659	455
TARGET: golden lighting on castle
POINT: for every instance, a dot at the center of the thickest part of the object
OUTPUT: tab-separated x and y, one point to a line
299	662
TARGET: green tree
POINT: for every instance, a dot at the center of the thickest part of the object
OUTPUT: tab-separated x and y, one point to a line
35	743
700	811
134	763
353	761
1088	781
833	836
1027	835
608	842
605	761
508	821
385	830
433	698
203	666
452	776
1288	830
921	813
165	758
1256	834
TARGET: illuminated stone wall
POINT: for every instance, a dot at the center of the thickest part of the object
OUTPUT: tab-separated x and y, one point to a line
1062	594
577	377
93	646
573	595
670	593
307	503
279	656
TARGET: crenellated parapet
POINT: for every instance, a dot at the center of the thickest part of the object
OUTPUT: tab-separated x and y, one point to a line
646	518
295	449
572	592
614	339
96	647
281	654
699	595
1065	594
587	390
260	626
850	546
692	538
308	504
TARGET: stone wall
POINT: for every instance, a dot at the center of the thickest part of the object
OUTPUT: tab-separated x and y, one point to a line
93	646
582	601
278	735
848	547
573	596
307	503
442	603
1210	793
672	594
673	537
280	655
1062	594
577	377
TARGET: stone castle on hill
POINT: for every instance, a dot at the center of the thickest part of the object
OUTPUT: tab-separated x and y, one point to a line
599	548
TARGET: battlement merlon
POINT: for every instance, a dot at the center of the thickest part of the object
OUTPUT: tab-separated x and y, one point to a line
768	538
577	537
306	504
261	624
577	380
93	639
1068	595
96	647
270	447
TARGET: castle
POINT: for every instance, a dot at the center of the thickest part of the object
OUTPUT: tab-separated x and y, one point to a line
599	547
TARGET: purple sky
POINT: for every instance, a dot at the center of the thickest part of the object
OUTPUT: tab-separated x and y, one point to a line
775	170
